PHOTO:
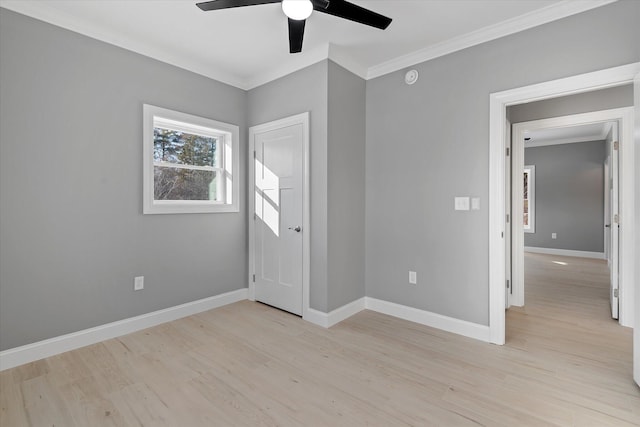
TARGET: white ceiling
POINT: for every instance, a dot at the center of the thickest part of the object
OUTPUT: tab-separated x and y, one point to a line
248	46
569	134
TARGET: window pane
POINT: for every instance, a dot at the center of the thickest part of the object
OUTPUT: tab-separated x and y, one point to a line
185	184
184	148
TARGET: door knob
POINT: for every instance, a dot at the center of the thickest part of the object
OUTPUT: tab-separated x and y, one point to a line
297	229
607	225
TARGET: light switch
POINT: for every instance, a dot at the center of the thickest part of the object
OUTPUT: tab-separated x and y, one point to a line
461	203
475	203
554	235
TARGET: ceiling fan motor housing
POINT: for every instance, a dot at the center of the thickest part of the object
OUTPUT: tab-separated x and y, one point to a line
298	11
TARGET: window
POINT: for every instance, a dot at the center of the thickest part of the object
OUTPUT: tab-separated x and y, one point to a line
190	163
529	199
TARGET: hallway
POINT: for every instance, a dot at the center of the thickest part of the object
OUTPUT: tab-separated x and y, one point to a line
566	324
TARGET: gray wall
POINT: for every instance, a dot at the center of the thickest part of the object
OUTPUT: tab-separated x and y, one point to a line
429	142
304	90
346	187
72	233
569	196
604	99
335	99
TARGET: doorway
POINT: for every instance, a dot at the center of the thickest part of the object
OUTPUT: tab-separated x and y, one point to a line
601	125
497	150
279	214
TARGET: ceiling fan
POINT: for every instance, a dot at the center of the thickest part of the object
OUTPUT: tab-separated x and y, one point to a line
298	11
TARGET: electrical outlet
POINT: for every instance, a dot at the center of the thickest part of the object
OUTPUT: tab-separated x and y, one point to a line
554	235
138	283
413	277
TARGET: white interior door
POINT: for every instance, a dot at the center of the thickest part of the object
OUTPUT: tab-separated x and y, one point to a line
614	224
516	173
278	218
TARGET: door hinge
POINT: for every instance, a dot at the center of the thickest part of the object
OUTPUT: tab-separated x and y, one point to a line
254	154
616	219
507	218
254	278
615	293
508	151
616	145
508	284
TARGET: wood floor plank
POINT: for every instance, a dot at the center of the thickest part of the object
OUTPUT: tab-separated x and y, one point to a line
12	405
565	363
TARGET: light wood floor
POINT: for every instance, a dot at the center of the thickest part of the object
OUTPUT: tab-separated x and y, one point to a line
565	363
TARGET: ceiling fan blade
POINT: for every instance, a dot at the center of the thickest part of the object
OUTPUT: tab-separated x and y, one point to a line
352	12
226	4
296	35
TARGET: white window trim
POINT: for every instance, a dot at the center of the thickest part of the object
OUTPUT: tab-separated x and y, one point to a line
227	134
531	228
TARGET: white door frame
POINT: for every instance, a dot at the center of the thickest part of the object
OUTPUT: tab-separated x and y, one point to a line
607	208
624	116
498	103
636	329
302	119
509	215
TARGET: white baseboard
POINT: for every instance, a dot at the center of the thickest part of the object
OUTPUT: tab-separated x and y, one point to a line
327	320
565	252
427	318
423	317
50	347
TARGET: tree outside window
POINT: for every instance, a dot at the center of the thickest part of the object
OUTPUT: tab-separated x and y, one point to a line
190	163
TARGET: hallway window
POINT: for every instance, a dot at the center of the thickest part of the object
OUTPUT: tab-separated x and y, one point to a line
529	199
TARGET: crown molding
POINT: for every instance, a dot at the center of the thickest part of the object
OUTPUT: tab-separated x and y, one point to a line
601	136
524	22
591	138
343	58
605	130
43	12
295	63
327	51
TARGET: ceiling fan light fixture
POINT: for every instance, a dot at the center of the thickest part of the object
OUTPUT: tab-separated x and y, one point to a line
297	9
